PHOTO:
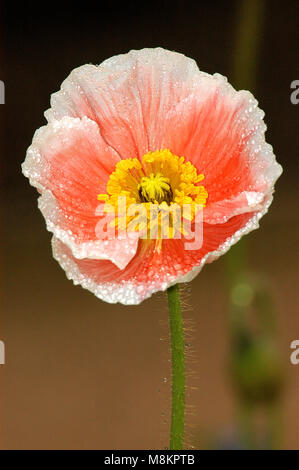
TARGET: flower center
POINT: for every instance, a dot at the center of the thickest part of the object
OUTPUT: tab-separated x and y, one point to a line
155	189
161	181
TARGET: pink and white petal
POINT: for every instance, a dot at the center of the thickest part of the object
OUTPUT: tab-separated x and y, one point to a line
229	233
217	240
154	98
87	273
119	251
70	164
221	131
149	270
128	96
219	212
70	159
145	275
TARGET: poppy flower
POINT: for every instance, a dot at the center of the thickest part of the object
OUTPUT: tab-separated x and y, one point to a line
149	127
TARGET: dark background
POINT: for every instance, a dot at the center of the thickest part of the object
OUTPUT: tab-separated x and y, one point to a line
80	373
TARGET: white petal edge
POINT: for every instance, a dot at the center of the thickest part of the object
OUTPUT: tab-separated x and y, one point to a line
98	249
187	70
35	168
130	293
264	166
181	67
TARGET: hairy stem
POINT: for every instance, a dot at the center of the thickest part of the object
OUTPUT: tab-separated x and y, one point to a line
178	368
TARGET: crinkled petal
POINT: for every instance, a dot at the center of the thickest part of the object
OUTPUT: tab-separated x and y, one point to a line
119	251
131	104
222	132
219	212
151	270
128	96
70	164
153	99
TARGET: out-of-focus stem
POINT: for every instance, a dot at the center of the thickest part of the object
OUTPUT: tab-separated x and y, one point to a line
247	44
244	74
248	436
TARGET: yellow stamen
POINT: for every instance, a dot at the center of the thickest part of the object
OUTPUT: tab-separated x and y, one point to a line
160	179
155	188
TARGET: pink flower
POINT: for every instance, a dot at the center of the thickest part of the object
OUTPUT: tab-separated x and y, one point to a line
150	126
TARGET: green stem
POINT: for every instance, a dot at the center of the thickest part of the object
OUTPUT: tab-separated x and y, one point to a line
178	368
274	425
247	428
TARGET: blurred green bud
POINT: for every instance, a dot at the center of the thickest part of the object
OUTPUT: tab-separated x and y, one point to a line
242	294
256	368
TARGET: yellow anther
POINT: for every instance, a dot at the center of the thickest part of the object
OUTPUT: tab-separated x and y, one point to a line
161	179
155	189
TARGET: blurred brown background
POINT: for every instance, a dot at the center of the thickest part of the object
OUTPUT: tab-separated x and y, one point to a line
84	374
